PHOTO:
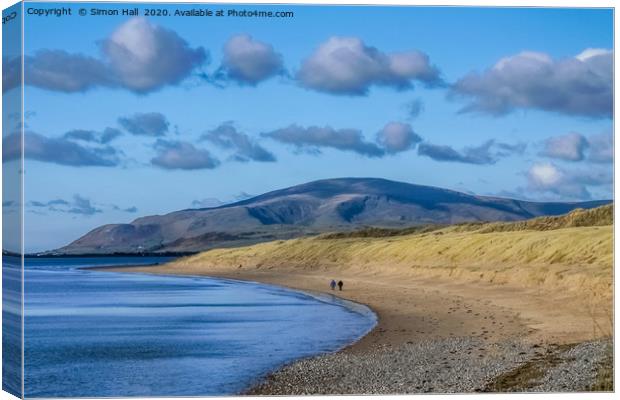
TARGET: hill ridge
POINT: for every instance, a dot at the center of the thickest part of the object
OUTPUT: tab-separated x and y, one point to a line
338	204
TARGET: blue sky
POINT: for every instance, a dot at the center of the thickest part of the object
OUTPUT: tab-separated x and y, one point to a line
508	102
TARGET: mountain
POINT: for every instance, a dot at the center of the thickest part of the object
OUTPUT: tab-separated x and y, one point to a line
315	207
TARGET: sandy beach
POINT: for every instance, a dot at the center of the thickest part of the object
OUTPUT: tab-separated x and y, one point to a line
487	332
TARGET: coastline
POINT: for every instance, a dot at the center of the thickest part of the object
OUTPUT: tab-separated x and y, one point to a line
484	331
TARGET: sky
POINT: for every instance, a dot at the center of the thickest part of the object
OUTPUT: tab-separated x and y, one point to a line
130	116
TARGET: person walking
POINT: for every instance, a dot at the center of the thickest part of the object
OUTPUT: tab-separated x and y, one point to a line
332	284
340	285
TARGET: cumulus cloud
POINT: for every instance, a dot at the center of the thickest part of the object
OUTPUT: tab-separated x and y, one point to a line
569	147
567	184
104	137
58	150
249	61
580	85
469	155
396	137
347	66
65	72
147	124
138	56
488	152
182	155
245	148
577	147
11	73
314	138
601	148
146	56
544	175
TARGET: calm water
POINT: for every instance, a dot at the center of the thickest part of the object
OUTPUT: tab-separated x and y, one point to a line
11	325
90	333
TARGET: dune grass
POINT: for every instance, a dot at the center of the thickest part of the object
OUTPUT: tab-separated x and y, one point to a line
599	216
573	252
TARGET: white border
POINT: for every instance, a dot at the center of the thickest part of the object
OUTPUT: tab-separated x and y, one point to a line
480	3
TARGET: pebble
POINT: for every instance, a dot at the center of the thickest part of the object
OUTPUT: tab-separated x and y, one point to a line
576	370
423	367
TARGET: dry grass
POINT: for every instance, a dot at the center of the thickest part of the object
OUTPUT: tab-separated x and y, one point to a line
578	259
376	232
600	216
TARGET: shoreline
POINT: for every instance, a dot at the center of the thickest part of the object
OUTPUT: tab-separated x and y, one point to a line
491	331
476	302
317	295
310	287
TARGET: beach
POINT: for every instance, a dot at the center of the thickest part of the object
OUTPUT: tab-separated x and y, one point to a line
436	335
492	307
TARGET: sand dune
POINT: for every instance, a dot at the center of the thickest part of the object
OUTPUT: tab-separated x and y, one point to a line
577	259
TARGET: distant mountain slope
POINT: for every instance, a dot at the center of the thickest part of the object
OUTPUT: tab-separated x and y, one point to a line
320	206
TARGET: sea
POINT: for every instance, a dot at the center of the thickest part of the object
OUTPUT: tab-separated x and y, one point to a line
93	333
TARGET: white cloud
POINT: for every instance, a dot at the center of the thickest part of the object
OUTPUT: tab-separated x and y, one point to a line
569	147
138	56
61	151
580	85
313	138
601	148
346	65
589	53
397	136
146	56
182	155
147	124
245	148
487	153
577	147
61	71
249	61
544	175
574	184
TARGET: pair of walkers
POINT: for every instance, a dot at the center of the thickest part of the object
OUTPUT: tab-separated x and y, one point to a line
333	285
